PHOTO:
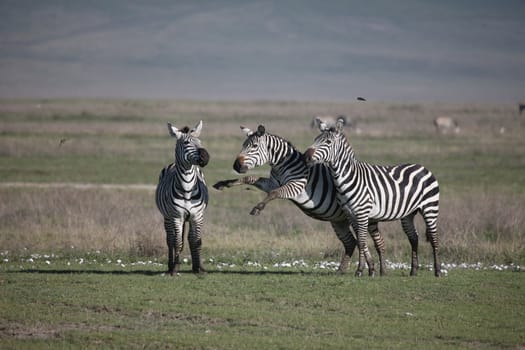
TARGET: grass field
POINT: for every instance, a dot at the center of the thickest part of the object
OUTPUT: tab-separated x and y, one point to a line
82	245
77	306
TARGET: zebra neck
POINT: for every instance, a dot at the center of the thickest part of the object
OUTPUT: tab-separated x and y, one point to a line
281	151
184	177
292	157
344	164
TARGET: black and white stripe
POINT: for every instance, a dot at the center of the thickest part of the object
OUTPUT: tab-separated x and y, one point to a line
372	193
311	189
182	196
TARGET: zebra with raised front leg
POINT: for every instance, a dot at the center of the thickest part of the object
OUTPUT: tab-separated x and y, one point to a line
312	190
372	193
182	196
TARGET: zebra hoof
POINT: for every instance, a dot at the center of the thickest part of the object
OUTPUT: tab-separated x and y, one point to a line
220	185
255	211
200	271
358	273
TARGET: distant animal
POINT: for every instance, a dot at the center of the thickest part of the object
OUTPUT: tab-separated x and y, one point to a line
521	106
331	120
312	190
62	141
361	98
182	196
445	125
373	193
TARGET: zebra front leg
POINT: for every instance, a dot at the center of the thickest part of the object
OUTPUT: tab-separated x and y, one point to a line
174	230
361	229
194	238
226	184
264	184
288	191
260	207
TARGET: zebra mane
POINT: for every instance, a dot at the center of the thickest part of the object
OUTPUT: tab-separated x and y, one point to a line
185	129
261	132
280	138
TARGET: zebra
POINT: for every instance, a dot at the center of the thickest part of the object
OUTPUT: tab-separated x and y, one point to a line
182	196
312	190
445	124
372	193
331	120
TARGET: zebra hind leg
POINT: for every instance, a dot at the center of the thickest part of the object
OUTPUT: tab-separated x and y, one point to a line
410	230
343	232
432	237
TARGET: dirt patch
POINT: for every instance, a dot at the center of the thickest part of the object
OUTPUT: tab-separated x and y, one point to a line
19	331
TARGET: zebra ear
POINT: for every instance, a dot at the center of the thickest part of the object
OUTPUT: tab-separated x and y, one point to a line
196	131
340	123
174	131
247	131
322	125
260	130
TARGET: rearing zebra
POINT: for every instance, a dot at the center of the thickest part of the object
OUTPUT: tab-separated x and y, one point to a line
310	189
372	193
182	196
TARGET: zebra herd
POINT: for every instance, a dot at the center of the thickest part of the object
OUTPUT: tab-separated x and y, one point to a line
326	183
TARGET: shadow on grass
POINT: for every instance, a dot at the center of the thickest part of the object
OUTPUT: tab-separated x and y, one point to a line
160	273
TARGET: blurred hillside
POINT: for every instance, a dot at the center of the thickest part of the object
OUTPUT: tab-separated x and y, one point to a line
304	50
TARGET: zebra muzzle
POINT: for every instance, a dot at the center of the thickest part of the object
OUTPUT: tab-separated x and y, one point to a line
204	157
239	166
308	156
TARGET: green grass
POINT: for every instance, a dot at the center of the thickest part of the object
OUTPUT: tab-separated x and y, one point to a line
248	308
105	168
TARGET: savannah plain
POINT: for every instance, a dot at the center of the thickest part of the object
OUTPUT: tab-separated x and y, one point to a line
83	250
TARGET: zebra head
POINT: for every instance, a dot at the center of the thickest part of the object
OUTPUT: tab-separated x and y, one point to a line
327	144
188	149
254	151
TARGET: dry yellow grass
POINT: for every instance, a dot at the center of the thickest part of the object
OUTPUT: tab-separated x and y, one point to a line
481	173
472	227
